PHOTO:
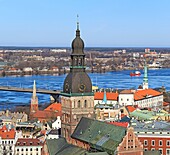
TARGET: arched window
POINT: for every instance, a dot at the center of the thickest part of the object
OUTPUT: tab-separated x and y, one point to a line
75	104
79	104
79	62
85	104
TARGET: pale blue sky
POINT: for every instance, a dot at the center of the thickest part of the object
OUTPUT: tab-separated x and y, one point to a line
103	23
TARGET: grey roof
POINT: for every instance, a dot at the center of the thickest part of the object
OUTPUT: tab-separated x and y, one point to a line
155	152
3	117
157	125
50	124
54	132
162	125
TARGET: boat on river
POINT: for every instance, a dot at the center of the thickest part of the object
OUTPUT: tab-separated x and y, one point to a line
136	73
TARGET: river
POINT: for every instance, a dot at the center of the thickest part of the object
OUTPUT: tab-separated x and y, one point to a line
115	79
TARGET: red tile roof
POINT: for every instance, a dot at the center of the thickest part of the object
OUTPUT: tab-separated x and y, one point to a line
28	142
123	115
141	94
54	107
128	91
130	108
165	103
109	95
43	132
122	124
7	134
45	114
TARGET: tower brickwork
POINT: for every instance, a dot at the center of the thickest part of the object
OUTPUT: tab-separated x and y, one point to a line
77	99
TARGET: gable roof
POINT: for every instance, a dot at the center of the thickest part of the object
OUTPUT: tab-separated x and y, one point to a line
54	107
141	94
45	114
109	96
130	108
7	134
99	135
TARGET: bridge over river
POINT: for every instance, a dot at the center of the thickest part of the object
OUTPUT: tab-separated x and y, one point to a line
53	93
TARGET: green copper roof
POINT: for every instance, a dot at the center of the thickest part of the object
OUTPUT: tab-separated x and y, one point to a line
104	98
77	94
61	147
145	79
147	115
100	135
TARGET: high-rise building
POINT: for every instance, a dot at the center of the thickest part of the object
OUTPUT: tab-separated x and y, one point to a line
77	99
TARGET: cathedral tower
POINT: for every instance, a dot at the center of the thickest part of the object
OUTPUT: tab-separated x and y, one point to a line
34	100
77	99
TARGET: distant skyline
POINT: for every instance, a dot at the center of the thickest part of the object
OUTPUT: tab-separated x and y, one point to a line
110	23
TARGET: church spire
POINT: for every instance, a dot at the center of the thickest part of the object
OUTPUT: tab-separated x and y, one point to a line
77	31
145	78
34	100
77	22
34	91
104	97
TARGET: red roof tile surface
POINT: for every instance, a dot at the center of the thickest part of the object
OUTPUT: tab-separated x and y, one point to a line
28	142
141	94
130	108
110	96
45	114
165	103
7	134
54	107
122	124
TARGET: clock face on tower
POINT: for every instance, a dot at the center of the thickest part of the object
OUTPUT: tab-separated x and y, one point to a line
82	87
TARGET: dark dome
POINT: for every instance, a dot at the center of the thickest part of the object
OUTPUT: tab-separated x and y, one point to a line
78	82
78	44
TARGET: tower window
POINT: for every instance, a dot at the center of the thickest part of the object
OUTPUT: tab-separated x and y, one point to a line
85	104
79	62
79	104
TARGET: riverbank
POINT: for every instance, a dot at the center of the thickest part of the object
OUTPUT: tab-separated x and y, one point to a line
64	71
